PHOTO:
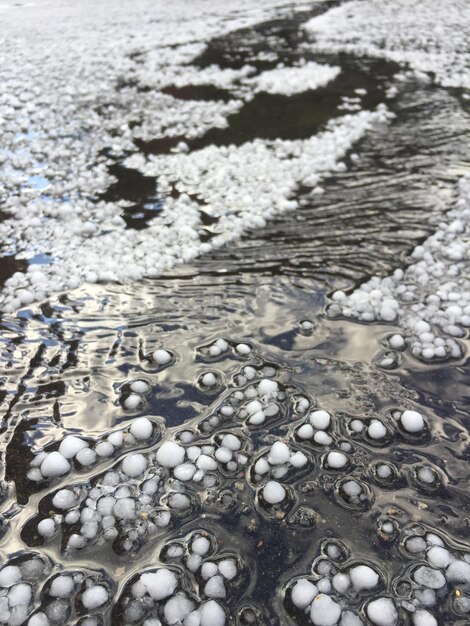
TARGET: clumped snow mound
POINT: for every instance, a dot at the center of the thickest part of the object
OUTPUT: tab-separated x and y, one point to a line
430	299
429	36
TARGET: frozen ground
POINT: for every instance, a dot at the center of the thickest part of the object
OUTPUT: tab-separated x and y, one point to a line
235	311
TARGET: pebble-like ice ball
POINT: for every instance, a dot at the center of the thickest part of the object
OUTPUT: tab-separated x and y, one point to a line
303	593
94	597
55	464
161	357
134	465
279	453
363	577
201	546
424	618
324	611
9	575
64	499
170	454
141	428
336	460
376	430
412	421
320	419
228	568
159	584
382	612
132	401
212	614
209	379
243	349
46	527
62	587
70	445
273	492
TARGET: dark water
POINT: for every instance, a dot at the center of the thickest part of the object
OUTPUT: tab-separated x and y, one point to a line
68	363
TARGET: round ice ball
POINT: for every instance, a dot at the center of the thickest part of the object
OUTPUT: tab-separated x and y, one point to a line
412	421
274	492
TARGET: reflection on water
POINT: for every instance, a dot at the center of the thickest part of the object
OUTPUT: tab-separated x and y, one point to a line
69	365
